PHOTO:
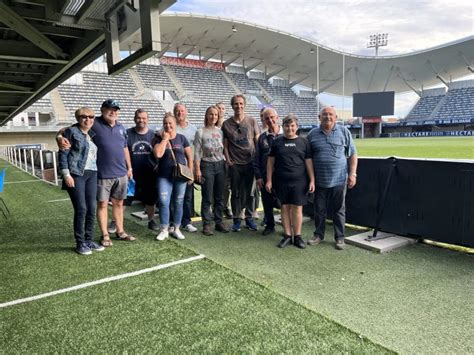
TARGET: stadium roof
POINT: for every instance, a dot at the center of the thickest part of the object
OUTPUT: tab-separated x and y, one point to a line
289	56
44	42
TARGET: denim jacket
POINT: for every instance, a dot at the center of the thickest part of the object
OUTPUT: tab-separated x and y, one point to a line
73	160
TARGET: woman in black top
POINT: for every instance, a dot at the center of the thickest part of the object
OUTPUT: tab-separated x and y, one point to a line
290	173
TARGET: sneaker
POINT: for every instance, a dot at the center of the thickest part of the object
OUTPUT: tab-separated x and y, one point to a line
314	241
153	225
220	227
228	213
268	231
236	226
94	246
163	235
249	222
177	234
207	230
340	245
83	249
298	242
286	240
112	228
190	228
255	215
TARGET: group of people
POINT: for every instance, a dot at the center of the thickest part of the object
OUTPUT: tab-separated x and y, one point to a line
232	156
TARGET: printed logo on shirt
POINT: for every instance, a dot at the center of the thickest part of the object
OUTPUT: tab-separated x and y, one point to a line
290	144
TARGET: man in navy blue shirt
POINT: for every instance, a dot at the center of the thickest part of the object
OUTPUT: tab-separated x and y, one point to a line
113	166
335	166
139	140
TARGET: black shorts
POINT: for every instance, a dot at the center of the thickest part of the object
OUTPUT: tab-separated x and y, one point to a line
292	193
146	190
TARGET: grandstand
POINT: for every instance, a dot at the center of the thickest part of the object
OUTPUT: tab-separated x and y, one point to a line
155	87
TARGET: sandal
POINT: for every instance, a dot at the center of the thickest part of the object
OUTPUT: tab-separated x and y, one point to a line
125	237
105	241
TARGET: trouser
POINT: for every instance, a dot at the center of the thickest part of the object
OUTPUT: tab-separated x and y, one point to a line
213	174
241	181
332	199
188	206
227	189
171	192
84	200
268	202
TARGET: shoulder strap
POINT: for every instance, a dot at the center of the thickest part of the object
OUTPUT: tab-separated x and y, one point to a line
172	152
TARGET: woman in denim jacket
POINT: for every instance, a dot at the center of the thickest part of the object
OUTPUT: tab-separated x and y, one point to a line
79	170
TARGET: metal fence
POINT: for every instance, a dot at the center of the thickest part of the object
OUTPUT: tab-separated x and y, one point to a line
37	162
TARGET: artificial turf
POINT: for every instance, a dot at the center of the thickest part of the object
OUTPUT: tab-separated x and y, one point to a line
198	307
426	147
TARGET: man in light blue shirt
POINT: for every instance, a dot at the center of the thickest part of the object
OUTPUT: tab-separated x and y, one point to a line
335	166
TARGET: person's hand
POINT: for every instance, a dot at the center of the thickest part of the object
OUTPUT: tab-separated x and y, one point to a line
198	176
268	186
311	187
260	183
229	162
130	174
63	143
351	181
190	182
165	135
69	181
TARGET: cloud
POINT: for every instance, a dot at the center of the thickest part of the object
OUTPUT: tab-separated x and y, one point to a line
346	25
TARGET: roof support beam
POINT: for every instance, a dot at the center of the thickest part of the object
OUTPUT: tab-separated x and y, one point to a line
86	10
22	27
335	81
400	75
388	78
356	74
438	76
188	52
35	60
212	54
297	81
275	72
15	87
233	59
254	65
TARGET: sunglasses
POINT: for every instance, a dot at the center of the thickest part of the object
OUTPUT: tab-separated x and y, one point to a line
84	117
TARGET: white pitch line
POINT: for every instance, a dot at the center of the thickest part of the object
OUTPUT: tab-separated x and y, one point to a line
60	200
20	182
101	281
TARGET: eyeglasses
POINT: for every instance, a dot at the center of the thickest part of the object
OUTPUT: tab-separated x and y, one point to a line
85	117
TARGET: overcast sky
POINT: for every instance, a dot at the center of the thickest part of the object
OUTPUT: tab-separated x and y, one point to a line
346	25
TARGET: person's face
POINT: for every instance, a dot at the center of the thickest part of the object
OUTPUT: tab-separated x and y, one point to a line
289	129
141	120
270	119
169	124
221	108
328	118
85	120
180	113
238	106
110	114
212	116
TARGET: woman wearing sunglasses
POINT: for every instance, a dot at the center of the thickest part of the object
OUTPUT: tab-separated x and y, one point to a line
78	167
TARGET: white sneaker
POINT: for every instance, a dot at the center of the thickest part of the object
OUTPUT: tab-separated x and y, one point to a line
190	228
163	235
177	234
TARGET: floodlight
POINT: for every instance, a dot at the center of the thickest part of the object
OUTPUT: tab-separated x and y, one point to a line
377	40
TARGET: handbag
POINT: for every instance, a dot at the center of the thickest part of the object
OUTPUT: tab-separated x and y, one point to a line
181	171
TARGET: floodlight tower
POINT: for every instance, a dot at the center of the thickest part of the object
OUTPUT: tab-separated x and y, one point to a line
377	40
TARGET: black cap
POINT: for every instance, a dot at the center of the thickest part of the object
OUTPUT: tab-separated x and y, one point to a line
110	103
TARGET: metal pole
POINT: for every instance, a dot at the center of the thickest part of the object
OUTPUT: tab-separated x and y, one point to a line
343	84
317	79
25	161
32	162
55	169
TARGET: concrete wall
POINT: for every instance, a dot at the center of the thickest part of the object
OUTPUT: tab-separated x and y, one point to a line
13	138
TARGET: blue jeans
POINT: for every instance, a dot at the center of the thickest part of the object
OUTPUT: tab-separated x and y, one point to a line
170	190
83	198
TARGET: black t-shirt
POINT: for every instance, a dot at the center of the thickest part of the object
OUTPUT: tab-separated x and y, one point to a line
140	148
167	163
290	155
